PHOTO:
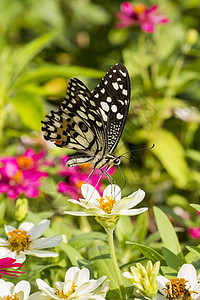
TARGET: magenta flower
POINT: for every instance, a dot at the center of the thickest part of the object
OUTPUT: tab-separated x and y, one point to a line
140	15
76	176
6	263
194	232
21	174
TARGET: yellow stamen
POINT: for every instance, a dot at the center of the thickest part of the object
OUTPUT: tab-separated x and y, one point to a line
19	240
18	177
139	8
61	293
25	162
14	297
106	204
176	289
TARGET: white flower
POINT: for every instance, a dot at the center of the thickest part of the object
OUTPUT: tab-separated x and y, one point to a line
77	285
185	286
25	241
110	204
9	291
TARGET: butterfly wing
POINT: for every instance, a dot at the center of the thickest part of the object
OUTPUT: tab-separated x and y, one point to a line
113	96
77	124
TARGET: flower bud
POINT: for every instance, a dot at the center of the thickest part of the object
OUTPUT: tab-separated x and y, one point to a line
21	209
192	36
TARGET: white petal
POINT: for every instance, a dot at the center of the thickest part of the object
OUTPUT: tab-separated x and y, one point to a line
113	191
188	272
96	212
43	286
46	242
24	286
133	212
9	228
20	258
37	296
162	281
82	276
127	275
76	213
77	202
130	201
26	226
94	284
4	242
71	273
6	288
39	229
40	253
89	192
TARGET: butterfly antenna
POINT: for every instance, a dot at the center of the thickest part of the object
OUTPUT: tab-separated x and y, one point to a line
148	148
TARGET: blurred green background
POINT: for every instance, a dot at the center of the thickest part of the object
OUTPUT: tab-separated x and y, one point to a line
45	43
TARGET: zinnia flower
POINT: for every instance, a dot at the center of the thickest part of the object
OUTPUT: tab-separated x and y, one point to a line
140	15
77	285
9	291
7	263
21	174
25	241
110	204
194	232
76	176
185	286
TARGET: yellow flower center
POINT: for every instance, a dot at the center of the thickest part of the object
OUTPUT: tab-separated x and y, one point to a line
177	289
17	178
14	297
106	204
62	294
139	8
25	162
19	240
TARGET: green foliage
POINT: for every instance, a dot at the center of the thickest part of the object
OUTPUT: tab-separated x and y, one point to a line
45	43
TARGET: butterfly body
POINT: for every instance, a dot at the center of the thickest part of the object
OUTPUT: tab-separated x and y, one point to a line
91	122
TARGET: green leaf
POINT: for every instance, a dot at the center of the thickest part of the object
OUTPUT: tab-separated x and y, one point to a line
35	271
100	257
172	259
148	252
25	54
51	71
168	272
83	240
196	206
167	232
30	110
171	154
193	249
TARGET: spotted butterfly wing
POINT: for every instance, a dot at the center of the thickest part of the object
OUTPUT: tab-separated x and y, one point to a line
91	122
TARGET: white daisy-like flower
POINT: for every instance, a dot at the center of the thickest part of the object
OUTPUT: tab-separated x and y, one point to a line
110	204
25	241
77	285
19	291
185	286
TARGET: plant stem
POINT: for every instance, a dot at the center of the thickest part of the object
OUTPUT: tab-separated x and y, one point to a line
114	261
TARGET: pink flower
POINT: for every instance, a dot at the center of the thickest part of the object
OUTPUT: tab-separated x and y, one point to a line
140	15
76	176
6	263
21	174
194	232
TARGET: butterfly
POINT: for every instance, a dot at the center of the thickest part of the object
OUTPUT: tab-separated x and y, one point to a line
91	122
